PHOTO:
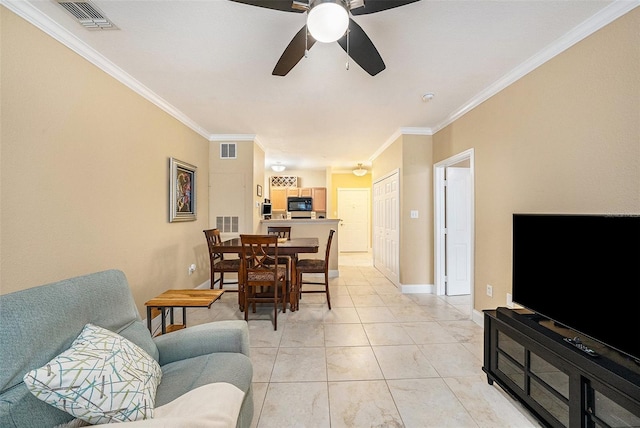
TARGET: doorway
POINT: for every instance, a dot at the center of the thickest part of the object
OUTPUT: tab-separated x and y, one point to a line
454	225
354	215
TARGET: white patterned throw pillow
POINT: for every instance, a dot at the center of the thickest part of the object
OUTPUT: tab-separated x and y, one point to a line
101	378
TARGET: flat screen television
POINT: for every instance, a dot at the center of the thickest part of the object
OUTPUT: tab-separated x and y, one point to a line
582	272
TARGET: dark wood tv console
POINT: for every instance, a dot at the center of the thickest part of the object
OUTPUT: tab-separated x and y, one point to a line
560	384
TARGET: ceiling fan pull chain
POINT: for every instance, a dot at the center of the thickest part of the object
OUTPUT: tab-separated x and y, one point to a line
306	39
348	31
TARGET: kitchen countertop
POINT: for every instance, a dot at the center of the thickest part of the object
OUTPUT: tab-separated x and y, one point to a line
301	220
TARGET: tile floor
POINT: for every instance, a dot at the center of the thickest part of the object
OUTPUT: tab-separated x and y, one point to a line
379	358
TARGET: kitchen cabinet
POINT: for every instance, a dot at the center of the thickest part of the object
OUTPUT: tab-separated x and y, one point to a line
278	198
306	192
319	195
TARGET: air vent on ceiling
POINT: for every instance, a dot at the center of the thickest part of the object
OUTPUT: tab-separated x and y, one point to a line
228	151
88	15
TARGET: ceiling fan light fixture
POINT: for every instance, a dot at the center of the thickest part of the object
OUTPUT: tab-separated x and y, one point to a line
328	20
278	167
359	171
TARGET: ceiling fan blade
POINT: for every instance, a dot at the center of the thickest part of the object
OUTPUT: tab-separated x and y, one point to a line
361	49
293	53
373	6
283	5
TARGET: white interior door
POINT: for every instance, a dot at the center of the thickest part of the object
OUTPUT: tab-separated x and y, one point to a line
386	230
353	212
458	235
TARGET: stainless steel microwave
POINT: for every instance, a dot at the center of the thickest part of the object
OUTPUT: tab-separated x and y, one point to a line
299	204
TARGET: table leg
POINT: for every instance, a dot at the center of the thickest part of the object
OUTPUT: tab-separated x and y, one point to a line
163	318
293	294
184	317
241	288
149	319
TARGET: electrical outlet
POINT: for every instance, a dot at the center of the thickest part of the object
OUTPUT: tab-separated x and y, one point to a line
489	290
192	269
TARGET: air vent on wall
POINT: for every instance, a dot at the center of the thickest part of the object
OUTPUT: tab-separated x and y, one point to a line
88	15
227	224
228	151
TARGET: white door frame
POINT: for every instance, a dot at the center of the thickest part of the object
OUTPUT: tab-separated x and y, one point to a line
439	216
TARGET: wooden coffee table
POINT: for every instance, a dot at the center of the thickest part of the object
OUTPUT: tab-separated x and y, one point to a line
187	298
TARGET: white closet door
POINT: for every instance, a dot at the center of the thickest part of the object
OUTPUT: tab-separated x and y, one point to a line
386	250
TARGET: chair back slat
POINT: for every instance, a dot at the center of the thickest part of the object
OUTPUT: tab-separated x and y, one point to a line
259	251
213	238
280	231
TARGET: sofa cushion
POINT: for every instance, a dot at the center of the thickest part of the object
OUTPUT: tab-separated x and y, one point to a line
180	377
137	332
101	378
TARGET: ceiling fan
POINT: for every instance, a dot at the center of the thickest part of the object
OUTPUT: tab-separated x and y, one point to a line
329	21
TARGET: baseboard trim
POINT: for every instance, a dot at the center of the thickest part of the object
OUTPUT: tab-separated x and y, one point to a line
417	288
478	317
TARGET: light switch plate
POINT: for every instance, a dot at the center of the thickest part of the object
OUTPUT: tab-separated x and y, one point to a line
414	213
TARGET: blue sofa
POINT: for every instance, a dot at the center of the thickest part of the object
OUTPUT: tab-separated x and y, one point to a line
39	323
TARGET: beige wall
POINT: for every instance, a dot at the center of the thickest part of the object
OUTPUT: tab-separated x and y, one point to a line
84	173
388	161
416	234
233	184
412	156
563	139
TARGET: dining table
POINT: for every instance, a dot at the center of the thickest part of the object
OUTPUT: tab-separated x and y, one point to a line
291	247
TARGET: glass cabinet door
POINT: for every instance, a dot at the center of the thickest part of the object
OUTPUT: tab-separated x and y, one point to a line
605	411
549	387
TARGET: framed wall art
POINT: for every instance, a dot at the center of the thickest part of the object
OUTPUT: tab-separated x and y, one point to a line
182	193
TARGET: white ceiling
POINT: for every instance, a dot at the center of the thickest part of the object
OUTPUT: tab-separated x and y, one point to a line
209	63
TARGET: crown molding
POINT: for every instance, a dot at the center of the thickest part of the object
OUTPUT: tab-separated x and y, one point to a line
34	16
607	15
416	131
232	137
396	135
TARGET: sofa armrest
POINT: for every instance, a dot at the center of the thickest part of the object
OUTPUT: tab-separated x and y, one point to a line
216	336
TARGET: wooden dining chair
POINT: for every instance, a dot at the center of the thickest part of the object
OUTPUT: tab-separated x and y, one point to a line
280	231
219	264
307	266
264	280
